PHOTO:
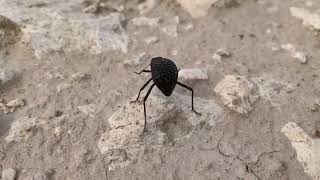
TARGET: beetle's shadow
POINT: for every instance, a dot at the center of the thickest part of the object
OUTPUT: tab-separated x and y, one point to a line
175	122
175	127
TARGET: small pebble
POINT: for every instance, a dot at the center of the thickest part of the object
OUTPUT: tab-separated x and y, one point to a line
151	40
188	27
145	21
223	53
216	57
193	74
63	86
299	55
9	174
219	54
6	75
174	52
11	106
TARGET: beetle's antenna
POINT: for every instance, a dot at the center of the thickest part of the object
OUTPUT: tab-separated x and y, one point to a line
143	70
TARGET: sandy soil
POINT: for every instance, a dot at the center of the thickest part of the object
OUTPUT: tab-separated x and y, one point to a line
236	148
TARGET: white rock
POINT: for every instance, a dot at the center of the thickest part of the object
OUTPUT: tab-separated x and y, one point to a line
197	8
15	103
65	28
80	76
92	8
8	174
219	54
223	53
11	106
51	29
193	74
309	19
151	40
299	55
145	21
57	131
139	60
89	109
307	149
288	47
237	93
22	129
166	117
6	75
63	86
188	27
216	57
174	52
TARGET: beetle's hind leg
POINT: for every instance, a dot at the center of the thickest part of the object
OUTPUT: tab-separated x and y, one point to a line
190	89
144	106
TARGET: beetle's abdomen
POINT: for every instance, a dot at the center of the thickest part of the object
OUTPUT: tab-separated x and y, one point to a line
164	74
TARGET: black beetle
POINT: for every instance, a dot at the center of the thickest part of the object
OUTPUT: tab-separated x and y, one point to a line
165	76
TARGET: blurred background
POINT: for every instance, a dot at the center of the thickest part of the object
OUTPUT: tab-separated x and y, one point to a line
66	79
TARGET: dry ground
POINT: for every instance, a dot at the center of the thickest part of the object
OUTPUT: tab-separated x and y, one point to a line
237	148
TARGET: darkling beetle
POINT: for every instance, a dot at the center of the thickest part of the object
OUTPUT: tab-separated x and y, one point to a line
165	76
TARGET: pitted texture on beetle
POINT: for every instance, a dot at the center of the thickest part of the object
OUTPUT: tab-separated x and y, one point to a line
164	74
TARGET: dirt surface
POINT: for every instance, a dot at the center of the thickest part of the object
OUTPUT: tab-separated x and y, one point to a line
57	89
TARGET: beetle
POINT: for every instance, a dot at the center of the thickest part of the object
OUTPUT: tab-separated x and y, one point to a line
164	74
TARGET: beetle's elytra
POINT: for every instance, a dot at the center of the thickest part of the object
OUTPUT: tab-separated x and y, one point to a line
164	74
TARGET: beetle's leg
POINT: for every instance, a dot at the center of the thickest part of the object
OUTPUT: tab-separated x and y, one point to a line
142	89
144	106
143	70
189	88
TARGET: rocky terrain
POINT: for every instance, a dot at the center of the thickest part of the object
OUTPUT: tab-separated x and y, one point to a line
67	81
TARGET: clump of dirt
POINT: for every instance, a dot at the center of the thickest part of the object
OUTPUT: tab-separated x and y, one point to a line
10	32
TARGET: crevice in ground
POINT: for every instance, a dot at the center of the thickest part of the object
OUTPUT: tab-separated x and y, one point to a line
249	166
